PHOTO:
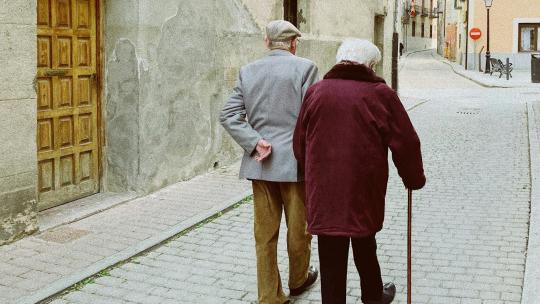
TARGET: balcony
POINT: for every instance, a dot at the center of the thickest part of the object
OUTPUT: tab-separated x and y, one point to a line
405	19
434	14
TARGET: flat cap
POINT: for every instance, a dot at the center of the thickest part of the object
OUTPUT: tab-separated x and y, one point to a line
281	30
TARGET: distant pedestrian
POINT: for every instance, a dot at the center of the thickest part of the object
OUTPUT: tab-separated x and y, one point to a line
347	123
401	47
261	116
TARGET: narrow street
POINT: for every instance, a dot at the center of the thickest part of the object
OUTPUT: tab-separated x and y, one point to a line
470	221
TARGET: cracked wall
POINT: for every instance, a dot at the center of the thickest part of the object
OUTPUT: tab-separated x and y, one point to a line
169	68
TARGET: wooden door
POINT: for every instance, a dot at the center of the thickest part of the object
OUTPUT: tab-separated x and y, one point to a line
67	103
290	8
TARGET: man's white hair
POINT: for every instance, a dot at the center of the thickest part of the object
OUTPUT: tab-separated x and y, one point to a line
359	51
284	45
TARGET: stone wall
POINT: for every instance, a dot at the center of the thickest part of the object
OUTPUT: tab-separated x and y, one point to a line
18	124
169	68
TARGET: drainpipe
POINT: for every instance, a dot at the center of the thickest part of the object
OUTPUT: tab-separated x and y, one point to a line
395	45
444	20
467	38
444	29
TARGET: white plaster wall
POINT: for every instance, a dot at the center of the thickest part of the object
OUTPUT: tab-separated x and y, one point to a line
169	68
520	61
264	11
342	18
418	44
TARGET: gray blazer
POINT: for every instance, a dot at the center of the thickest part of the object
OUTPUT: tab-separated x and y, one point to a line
265	105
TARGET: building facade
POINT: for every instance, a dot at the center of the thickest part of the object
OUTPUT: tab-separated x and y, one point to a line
514	31
124	95
419	25
452	36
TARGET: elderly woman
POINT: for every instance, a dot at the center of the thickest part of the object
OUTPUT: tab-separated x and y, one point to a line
347	123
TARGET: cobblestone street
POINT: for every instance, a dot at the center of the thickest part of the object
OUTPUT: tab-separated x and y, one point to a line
470	221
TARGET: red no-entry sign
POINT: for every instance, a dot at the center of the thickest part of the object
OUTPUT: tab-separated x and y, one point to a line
475	33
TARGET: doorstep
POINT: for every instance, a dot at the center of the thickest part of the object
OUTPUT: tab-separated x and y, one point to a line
80	209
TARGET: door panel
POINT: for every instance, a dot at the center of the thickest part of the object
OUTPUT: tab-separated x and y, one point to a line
67	104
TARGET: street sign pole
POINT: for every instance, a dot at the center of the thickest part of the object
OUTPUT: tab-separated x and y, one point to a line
488	53
475	34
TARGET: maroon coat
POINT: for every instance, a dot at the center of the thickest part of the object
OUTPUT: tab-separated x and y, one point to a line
346	125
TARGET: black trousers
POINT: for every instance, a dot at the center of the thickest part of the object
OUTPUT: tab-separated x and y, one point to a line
334	256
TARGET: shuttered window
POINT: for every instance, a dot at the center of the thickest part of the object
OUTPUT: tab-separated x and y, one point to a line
528	37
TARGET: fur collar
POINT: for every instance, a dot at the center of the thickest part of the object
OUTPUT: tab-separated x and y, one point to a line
353	71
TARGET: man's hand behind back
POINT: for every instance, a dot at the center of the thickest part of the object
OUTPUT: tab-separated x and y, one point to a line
262	150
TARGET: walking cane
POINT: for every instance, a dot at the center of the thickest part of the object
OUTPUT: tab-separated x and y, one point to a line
409	247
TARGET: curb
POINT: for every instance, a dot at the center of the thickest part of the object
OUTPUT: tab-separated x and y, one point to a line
60	285
472	79
531	280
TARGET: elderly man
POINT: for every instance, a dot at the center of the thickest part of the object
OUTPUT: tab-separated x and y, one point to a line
261	116
346	125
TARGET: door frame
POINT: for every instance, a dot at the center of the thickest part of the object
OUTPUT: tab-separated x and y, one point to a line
99	13
99	90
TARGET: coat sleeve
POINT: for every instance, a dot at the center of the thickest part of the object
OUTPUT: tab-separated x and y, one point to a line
404	144
234	119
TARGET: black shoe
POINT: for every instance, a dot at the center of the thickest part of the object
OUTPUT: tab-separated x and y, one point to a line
389	292
313	273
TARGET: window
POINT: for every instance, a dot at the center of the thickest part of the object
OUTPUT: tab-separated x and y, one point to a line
291	11
431	31
528	37
414	28
423	30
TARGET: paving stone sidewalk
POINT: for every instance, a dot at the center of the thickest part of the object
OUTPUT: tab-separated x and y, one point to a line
470	221
519	79
51	261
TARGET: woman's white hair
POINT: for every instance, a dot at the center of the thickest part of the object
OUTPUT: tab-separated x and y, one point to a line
359	51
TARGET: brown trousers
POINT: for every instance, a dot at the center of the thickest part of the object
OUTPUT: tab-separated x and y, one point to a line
270	198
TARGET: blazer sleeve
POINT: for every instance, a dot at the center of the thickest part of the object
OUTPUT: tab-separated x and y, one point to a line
310	78
234	119
404	144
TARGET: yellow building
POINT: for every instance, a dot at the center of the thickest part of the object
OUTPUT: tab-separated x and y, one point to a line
514	31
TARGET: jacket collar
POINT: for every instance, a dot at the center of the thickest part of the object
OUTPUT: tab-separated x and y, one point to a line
279	52
353	71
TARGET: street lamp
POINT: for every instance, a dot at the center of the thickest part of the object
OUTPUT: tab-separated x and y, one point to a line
488	3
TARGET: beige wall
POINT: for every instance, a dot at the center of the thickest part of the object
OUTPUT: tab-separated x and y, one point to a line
325	24
18	123
502	15
417	43
264	11
329	18
180	61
